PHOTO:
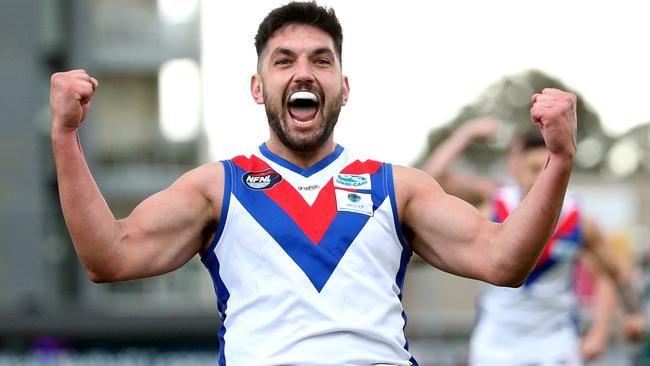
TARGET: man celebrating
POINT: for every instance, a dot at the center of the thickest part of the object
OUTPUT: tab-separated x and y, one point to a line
305	276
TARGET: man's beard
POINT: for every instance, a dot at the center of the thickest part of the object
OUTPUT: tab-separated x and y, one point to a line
330	115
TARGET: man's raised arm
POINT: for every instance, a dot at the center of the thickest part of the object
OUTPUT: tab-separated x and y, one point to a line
527	230
161	234
451	235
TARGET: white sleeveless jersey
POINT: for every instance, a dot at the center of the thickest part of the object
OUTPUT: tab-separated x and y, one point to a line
535	323
308	264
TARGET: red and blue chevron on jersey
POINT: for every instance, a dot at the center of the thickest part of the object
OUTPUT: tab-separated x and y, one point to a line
306	261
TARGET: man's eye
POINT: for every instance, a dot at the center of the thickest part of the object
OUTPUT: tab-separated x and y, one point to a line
322	61
282	62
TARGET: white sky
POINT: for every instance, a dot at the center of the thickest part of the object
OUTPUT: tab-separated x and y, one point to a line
413	64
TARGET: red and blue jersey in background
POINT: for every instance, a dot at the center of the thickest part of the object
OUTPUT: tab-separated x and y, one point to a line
535	323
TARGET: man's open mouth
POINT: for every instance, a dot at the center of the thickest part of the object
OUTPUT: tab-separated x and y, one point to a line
303	106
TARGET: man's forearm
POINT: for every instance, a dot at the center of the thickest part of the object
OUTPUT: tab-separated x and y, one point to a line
89	220
529	227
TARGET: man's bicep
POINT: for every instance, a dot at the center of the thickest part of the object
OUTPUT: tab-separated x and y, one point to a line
168	228
475	190
446	231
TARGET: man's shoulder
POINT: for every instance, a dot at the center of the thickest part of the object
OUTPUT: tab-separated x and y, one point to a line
408	179
205	178
208	169
407	171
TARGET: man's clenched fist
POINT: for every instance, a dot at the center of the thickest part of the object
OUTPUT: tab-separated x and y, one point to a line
554	111
70	95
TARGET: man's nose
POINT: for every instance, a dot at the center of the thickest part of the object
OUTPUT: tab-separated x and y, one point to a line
303	71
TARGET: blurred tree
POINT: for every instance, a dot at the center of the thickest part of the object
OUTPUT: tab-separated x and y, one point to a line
508	101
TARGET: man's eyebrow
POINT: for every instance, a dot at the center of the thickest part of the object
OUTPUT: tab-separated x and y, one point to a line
288	52
323	50
282	51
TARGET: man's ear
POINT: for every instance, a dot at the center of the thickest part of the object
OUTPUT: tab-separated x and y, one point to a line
346	90
257	89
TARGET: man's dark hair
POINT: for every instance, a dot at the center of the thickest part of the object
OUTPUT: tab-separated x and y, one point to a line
308	13
531	138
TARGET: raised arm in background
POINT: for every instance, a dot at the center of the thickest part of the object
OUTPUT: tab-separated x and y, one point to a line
474	189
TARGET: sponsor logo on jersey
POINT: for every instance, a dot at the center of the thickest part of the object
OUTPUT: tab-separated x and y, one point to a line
353	197
261	180
308	188
357	181
354	202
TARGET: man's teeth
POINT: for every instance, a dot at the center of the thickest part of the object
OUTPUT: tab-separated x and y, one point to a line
303	95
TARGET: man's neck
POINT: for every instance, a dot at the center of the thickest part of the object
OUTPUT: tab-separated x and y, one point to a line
302	159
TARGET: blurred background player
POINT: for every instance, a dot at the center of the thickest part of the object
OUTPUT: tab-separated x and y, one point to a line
536	324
